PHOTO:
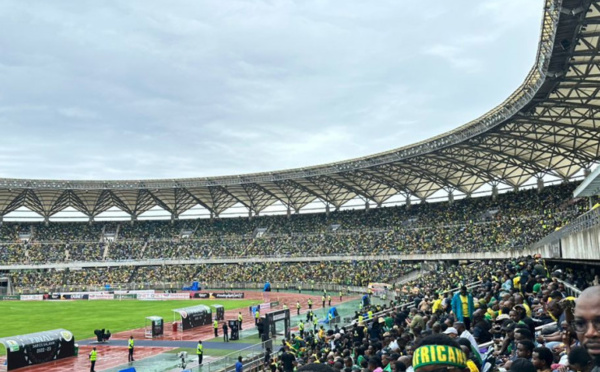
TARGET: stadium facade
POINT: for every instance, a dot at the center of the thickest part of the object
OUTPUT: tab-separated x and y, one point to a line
546	127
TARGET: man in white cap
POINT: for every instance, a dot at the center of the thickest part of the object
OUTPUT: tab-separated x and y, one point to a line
451	332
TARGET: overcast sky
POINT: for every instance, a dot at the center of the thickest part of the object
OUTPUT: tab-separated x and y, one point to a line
189	88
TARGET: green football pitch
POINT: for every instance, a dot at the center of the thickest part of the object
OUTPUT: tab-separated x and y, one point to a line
82	317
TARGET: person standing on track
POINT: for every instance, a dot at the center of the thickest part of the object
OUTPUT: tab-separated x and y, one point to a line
298	307
240	319
225	332
323	300
200	351
340	296
309	303
130	349
93	357
216	327
329	299
256	317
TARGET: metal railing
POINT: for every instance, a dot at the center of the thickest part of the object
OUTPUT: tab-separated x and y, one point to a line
569	288
581	223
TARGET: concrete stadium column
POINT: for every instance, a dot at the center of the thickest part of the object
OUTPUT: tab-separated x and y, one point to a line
1	218
174	217
289	211
249	213
408	202
540	184
327	209
46	220
133	219
212	216
516	188
367	206
451	197
494	192
586	172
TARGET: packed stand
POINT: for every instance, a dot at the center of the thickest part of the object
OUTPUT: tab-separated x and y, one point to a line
490	327
296	274
54	280
67	232
510	222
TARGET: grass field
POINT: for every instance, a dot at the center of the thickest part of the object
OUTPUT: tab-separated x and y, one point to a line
82	317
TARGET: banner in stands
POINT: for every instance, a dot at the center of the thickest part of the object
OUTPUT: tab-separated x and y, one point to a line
194	316
69	296
36	348
163	296
9	298
135	291
229	295
213	295
125	296
38	297
101	296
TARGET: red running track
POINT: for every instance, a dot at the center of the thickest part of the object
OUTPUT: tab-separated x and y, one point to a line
108	357
207	332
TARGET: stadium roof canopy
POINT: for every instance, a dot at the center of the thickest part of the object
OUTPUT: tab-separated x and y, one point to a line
549	125
590	185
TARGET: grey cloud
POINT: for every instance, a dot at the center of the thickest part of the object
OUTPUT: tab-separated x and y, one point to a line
145	89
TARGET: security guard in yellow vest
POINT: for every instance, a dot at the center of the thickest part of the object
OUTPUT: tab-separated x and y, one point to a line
240	319
309	303
315	323
298	307
200	351
370	313
93	357
340	296
130	349
301	328
216	327
329	299
256	317
323	300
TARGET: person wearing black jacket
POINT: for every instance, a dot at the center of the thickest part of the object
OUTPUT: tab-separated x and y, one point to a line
225	332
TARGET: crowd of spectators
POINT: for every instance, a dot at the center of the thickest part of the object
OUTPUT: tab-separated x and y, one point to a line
510	221
494	320
48	280
488	327
67	232
296	274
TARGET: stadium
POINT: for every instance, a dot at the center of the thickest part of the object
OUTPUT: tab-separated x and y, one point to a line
500	260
